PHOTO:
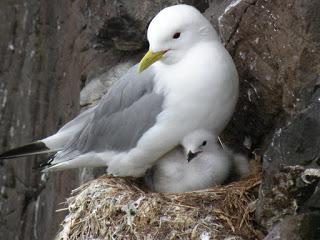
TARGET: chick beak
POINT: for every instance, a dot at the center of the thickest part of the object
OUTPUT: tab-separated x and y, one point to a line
191	155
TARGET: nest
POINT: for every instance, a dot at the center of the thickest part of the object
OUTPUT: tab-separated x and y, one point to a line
119	208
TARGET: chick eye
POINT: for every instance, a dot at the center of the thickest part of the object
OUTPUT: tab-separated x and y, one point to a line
204	143
176	35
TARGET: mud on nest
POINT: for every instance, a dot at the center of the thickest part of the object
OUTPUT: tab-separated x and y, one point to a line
119	208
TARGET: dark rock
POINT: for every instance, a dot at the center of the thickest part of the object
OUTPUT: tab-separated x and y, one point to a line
314	202
291	189
301	227
285	190
231	18
274	45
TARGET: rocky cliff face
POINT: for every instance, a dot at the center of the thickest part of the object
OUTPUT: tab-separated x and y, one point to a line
50	50
275	46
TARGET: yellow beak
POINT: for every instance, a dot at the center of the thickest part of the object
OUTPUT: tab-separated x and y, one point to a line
149	59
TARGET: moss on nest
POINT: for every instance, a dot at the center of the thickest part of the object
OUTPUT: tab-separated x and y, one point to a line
119	208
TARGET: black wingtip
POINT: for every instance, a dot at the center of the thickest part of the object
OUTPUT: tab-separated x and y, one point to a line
25	150
46	164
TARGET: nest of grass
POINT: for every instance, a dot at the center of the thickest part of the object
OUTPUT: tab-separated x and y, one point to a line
119	208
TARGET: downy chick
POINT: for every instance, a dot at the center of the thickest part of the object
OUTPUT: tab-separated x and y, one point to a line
198	163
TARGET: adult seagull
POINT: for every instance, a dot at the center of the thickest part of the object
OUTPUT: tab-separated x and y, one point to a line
186	81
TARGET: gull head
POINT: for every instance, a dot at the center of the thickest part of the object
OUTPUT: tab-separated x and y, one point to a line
173	31
197	142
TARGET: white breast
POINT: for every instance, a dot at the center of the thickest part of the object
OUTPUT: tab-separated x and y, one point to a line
201	90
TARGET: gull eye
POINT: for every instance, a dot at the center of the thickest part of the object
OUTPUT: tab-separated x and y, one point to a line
176	35
204	143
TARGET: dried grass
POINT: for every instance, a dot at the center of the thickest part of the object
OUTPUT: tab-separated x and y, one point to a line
119	208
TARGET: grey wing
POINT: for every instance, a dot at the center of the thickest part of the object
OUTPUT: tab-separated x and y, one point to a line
59	140
123	115
78	122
